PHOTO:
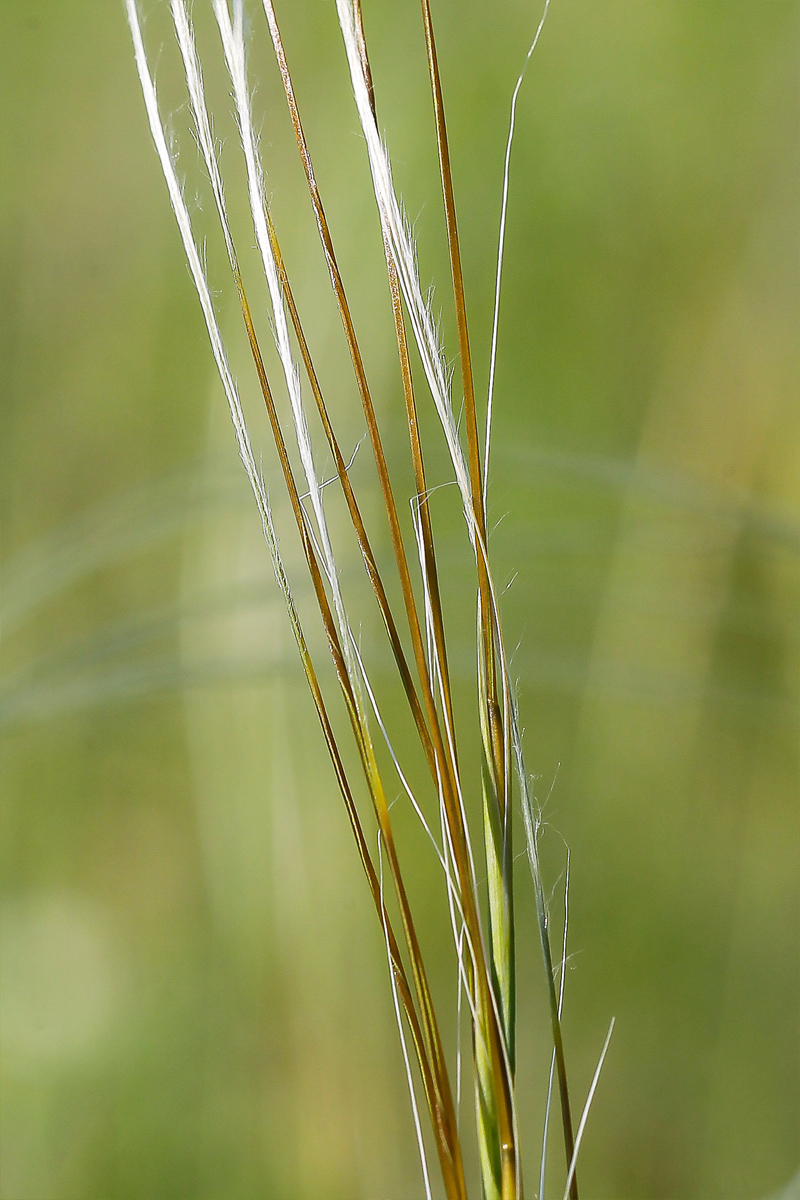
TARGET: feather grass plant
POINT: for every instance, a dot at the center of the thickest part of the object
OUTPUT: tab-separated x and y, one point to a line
483	934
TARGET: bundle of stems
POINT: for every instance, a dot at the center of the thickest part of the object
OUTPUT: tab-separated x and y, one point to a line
483	935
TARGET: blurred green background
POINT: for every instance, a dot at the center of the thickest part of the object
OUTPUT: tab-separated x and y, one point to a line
195	1001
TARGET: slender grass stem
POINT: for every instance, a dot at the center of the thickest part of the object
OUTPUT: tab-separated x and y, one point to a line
483	933
585	1113
428	551
501	238
254	476
445	763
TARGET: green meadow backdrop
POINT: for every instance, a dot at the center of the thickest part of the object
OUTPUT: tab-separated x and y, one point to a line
195	999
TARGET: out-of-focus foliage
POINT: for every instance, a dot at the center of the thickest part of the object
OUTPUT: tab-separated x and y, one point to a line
194	996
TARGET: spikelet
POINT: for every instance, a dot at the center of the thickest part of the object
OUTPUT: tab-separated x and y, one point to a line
484	943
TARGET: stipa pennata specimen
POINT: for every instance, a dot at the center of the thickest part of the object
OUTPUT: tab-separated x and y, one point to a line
483	934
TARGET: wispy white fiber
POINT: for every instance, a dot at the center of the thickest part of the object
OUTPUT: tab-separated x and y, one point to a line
586	1107
231	34
195	266
347	469
396	230
500	251
194	80
201	285
205	137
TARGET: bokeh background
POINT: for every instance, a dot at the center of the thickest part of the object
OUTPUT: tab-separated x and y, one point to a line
195	1001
